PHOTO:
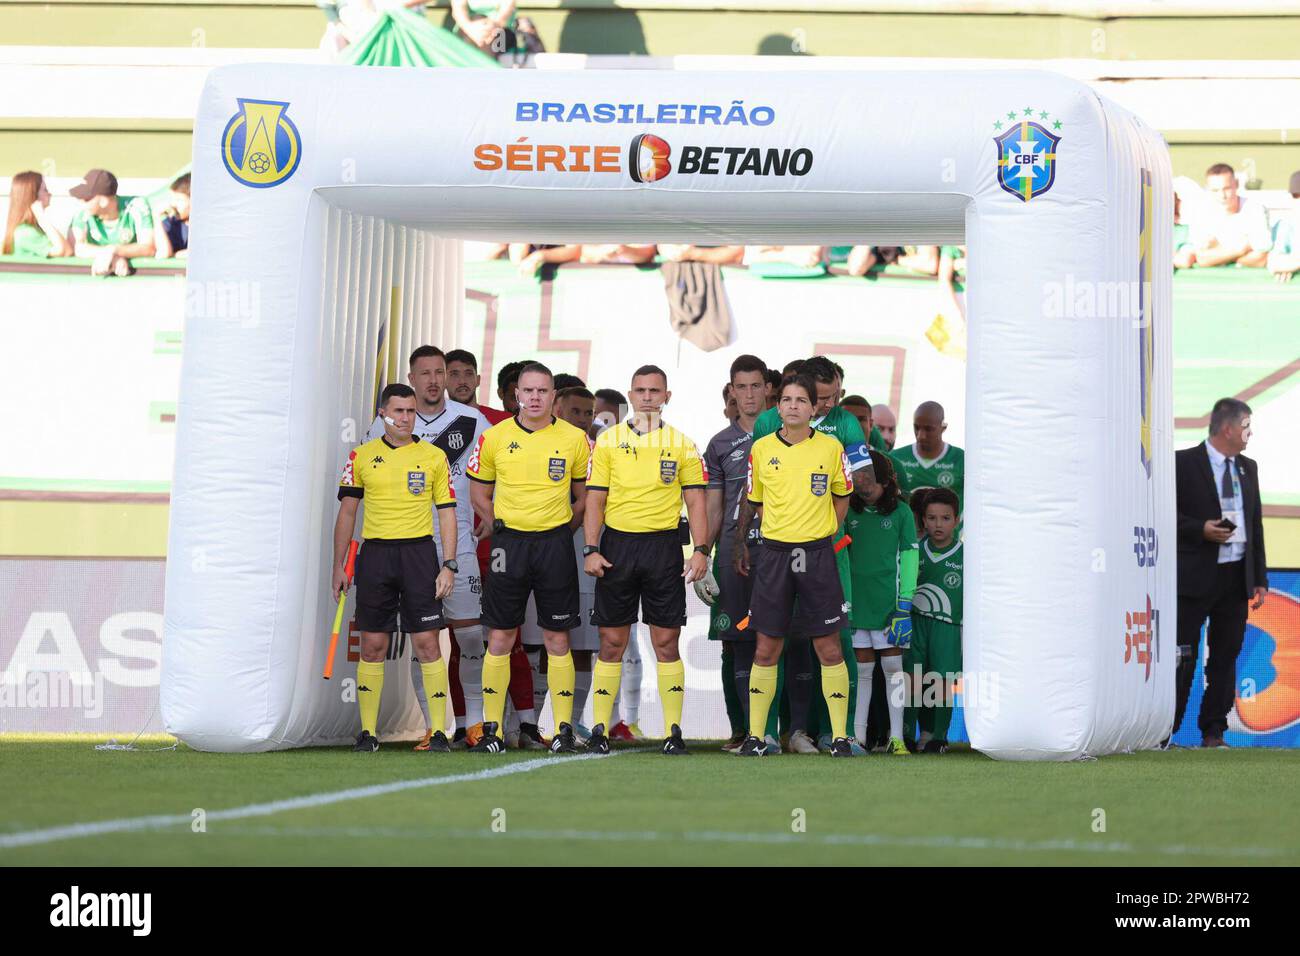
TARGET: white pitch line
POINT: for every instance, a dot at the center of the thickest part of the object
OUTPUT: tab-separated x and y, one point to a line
73	831
718	836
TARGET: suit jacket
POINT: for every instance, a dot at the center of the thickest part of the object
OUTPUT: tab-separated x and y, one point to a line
1198	502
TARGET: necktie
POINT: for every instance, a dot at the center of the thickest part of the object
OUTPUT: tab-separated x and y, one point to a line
1226	490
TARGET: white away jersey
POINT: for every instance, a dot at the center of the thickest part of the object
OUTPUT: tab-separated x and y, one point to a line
456	431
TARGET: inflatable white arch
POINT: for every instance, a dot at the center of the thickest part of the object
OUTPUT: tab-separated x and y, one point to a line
328	205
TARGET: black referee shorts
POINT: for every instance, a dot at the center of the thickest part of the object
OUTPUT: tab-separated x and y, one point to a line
647	571
806	571
398	574
540	563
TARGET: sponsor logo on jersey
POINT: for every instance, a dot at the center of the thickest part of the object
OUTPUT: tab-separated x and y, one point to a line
667	470
738	454
555	469
260	146
1026	151
775	462
820	482
513	447
415	482
347	478
474	455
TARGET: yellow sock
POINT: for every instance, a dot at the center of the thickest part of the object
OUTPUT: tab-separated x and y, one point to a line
496	683
370	684
672	691
835	688
435	688
605	677
762	688
560	675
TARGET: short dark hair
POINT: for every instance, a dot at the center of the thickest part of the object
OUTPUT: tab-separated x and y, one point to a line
396	390
426	351
536	367
510	372
941	496
726	392
1220	169
574	391
792	368
651	370
565	380
464	357
181	184
1227	411
747	363
773	378
856	400
821	368
803	381
611	396
839	370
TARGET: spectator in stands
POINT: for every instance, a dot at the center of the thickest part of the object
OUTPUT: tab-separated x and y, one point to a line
804	257
1229	228
1284	257
172	232
491	25
1184	251
29	228
718	255
110	229
882	416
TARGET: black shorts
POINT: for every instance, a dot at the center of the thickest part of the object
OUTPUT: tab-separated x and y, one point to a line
808	572
647	571
734	596
393	575
540	563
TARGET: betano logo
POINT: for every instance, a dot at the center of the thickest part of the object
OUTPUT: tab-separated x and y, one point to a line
648	158
1277	705
260	145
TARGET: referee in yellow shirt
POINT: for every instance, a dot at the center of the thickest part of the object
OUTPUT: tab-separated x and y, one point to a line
528	482
641	471
799	480
402	480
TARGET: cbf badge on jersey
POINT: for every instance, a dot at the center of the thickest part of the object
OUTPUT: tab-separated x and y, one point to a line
819	484
556	469
667	470
415	482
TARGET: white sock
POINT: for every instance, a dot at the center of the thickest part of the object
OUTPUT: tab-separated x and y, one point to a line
581	688
866	671
630	683
512	720
417	678
470	642
535	652
894	695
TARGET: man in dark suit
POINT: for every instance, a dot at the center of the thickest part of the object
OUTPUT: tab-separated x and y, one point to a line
1220	561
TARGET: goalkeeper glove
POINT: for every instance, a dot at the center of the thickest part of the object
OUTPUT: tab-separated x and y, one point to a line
900	624
706	588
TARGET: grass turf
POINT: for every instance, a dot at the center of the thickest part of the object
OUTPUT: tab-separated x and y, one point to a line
1179	808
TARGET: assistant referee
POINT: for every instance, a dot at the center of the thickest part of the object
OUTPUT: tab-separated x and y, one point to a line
402	480
641	471
799	480
528	474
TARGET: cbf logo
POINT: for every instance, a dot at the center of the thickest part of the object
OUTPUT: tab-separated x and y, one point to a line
667	470
261	146
555	469
819	484
415	482
1026	153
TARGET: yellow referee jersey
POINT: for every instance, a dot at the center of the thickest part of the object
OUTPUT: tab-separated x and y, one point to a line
645	475
401	487
532	471
795	484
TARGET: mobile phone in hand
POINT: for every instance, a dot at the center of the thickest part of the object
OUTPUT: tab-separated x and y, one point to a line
1227	524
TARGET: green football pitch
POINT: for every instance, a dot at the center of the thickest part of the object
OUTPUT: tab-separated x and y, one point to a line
68	804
